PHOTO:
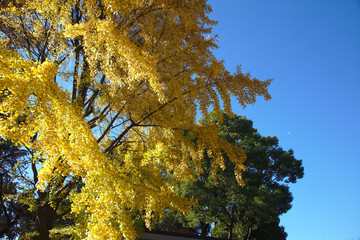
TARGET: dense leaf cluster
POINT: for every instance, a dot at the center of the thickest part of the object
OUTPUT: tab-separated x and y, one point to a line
100	93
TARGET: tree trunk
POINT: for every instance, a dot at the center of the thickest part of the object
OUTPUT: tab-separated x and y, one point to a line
230	232
202	229
249	233
46	217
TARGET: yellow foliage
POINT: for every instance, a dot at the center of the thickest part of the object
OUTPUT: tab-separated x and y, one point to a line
139	73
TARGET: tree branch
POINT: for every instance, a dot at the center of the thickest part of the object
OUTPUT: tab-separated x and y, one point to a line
118	139
90	102
109	125
102	115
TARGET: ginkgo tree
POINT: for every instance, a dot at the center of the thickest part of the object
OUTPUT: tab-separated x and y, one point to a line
104	95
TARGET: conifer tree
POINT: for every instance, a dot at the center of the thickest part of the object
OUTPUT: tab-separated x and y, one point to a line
232	211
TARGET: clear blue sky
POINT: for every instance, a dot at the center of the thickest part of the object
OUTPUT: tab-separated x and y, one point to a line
312	50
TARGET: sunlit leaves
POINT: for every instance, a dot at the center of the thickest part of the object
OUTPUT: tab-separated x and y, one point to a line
139	71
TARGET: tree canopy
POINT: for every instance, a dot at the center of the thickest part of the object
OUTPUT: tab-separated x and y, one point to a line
248	212
104	95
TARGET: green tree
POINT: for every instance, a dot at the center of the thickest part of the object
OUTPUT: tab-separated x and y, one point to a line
13	214
251	211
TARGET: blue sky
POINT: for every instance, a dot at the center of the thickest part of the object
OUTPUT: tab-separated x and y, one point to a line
312	50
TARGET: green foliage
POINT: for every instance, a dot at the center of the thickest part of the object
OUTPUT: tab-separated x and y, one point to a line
13	215
249	212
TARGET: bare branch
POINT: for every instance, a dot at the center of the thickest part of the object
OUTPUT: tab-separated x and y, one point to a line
109	125
92	123
114	143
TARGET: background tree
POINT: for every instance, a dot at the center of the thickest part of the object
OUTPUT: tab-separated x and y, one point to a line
251	211
101	92
13	214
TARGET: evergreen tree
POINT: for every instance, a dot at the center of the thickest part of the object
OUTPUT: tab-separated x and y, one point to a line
242	212
13	215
